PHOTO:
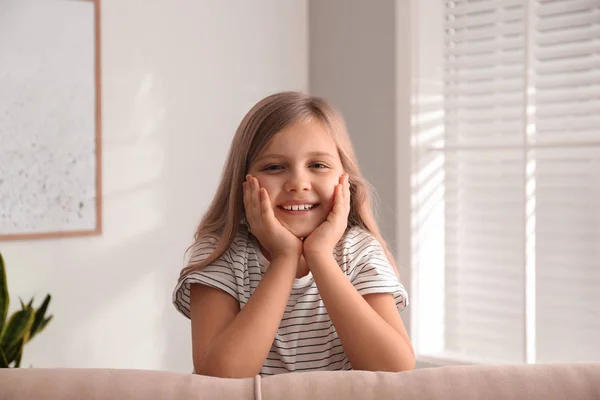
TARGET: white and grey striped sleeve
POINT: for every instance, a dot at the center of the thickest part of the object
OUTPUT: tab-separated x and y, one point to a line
219	274
372	272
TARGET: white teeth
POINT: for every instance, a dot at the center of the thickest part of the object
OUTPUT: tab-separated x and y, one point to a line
301	207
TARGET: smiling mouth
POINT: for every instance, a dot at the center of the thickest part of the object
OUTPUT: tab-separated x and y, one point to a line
298	209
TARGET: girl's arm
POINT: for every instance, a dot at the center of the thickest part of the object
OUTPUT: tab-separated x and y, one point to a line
231	344
237	347
370	328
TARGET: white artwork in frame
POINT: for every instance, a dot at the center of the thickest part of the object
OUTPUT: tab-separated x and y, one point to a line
50	132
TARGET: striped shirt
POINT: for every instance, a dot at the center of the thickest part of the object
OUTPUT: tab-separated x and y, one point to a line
306	339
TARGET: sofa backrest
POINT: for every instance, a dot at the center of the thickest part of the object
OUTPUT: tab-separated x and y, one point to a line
490	382
547	382
111	384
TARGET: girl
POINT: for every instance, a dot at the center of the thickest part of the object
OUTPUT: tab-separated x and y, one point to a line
288	271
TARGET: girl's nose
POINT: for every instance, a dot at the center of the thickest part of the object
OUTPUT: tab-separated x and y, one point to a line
297	182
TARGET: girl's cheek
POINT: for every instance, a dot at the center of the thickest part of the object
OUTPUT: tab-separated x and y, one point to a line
264	183
330	197
268	185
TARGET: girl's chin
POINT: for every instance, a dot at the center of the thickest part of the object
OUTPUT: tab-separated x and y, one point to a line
301	233
301	230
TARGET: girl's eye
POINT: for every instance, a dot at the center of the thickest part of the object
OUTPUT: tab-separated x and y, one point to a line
318	165
272	167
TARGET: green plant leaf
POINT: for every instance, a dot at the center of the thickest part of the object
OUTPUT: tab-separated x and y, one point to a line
18	327
3	362
12	352
4	299
39	317
25	306
44	323
19	355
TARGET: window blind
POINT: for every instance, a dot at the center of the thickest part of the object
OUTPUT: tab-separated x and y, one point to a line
506	189
566	104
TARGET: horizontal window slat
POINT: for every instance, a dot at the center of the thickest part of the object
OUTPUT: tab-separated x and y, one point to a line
489	60
566	94
578	49
500	72
463	8
565	138
581	64
502	116
589	107
483	48
474	35
505	100
568	123
558	9
581	34
506	86
567	20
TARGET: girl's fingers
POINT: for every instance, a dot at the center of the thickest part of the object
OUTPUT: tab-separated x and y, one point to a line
347	191
246	186
342	185
249	198
265	203
345	188
337	201
253	199
255	195
248	205
342	195
247	208
250	192
267	209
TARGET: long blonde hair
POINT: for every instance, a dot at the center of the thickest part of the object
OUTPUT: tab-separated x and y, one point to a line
263	121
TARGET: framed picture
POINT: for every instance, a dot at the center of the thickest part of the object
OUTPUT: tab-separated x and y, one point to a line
50	119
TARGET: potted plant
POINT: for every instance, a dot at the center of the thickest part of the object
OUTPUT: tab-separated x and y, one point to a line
19	328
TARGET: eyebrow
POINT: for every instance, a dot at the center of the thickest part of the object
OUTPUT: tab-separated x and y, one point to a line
311	154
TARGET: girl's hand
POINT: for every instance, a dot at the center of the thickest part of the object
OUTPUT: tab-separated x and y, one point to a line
269	231
322	240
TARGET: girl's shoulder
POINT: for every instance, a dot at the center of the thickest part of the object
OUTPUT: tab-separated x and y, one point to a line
209	242
356	244
356	235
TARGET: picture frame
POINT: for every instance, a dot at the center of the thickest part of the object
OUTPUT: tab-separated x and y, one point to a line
50	119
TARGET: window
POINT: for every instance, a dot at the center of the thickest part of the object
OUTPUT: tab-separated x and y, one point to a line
506	181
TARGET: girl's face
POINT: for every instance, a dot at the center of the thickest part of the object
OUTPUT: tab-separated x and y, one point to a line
299	167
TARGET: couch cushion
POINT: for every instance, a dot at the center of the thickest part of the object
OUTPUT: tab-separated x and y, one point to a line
547	382
111	384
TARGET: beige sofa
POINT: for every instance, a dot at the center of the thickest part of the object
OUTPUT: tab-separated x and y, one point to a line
551	381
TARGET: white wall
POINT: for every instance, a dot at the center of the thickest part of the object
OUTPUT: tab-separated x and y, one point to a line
177	78
352	64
